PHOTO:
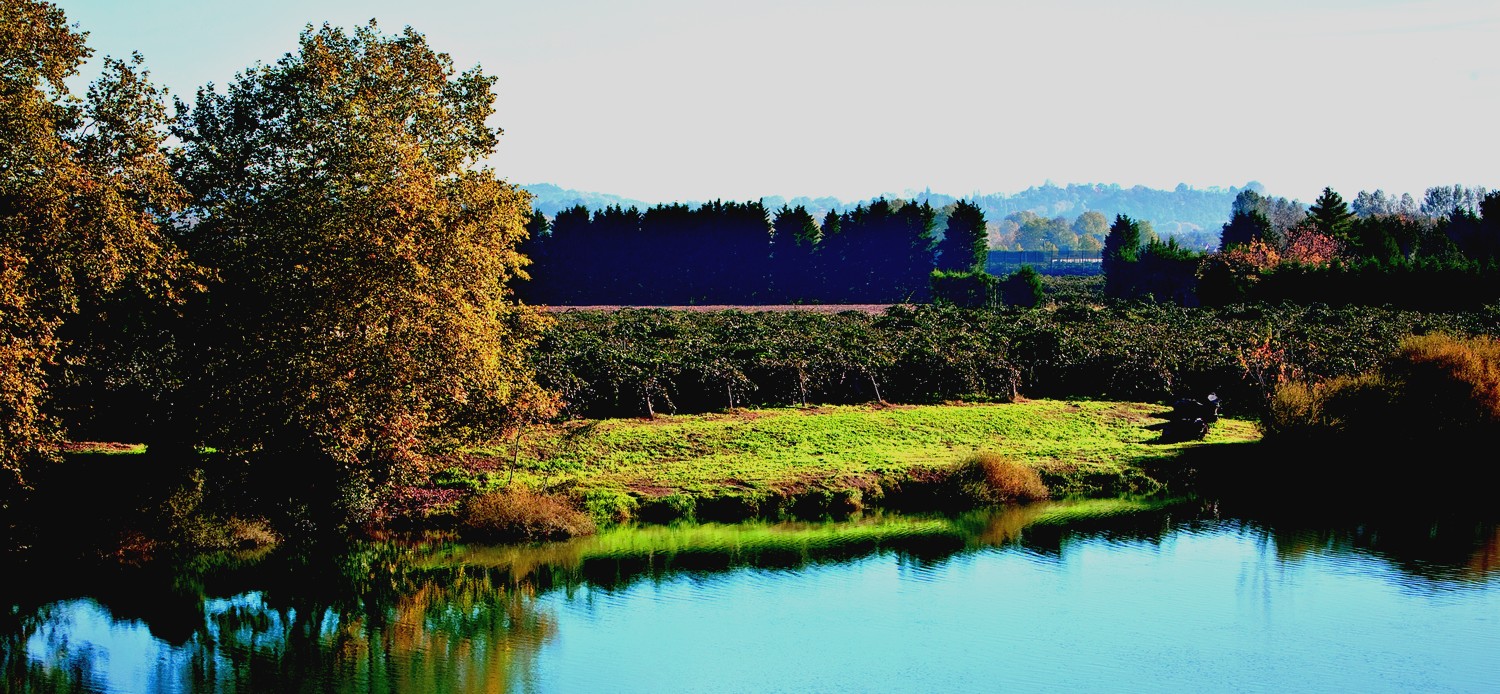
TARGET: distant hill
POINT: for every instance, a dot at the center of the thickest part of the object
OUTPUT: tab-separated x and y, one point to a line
1184	209
550	199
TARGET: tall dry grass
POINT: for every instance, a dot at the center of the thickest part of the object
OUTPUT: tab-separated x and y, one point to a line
1434	386
1459	377
522	515
996	479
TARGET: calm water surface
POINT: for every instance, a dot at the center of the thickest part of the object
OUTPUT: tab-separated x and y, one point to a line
1088	596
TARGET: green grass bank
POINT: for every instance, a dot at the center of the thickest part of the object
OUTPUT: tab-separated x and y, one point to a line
806	462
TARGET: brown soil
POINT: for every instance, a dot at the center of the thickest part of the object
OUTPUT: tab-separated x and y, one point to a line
651	490
872	309
98	447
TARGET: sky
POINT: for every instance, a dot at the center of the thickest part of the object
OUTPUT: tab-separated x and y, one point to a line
663	100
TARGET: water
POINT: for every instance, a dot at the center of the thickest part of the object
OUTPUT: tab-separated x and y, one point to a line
1064	597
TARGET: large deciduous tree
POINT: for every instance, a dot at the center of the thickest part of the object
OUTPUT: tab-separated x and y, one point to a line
83	185
363	254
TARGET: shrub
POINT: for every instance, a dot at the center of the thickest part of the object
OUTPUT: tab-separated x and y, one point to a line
666	509
1449	384
994	479
1341	406
609	505
967	289
1434	386
1293	412
1022	287
520	514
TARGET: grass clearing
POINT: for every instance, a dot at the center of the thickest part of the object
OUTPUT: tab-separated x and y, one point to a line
847	455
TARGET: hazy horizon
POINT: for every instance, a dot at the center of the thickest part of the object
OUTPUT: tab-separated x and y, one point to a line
665	100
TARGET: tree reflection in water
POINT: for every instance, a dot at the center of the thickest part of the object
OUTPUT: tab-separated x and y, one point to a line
445	617
381	622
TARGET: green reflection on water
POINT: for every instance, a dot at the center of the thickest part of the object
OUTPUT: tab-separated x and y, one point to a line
432	616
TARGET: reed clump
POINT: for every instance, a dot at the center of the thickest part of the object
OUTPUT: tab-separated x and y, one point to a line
520	514
995	479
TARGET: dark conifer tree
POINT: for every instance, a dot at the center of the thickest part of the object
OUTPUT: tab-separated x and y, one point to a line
570	257
1246	227
1377	238
829	256
914	240
619	259
1331	215
1466	231
1489	226
1121	252
965	244
668	232
795	237
534	289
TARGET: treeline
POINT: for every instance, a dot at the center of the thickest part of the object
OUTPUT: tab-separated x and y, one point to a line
1183	210
638	362
1437	254
732	253
1442	255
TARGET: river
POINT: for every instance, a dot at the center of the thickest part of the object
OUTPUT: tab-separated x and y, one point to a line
1111	595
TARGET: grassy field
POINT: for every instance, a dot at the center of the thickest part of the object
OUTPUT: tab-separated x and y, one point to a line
762	462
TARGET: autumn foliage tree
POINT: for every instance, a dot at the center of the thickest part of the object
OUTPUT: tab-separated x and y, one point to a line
83	186
362	311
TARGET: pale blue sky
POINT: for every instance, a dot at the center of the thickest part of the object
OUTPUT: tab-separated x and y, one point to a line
670	99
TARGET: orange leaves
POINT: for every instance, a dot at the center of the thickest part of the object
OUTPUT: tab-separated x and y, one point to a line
1256	255
1265	362
1308	246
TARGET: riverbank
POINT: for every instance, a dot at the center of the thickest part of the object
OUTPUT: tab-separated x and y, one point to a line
113	501
808	462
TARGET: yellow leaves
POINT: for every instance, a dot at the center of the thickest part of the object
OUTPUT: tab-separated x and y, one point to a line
82	206
367	257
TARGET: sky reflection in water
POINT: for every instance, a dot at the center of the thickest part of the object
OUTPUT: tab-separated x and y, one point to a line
1054	597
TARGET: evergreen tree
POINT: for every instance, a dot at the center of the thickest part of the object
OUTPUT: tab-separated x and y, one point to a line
829	257
1374	238
1489	225
914	240
1246	227
795	237
1121	251
1467	233
1331	216
1022	287
569	257
531	285
964	246
1123	243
